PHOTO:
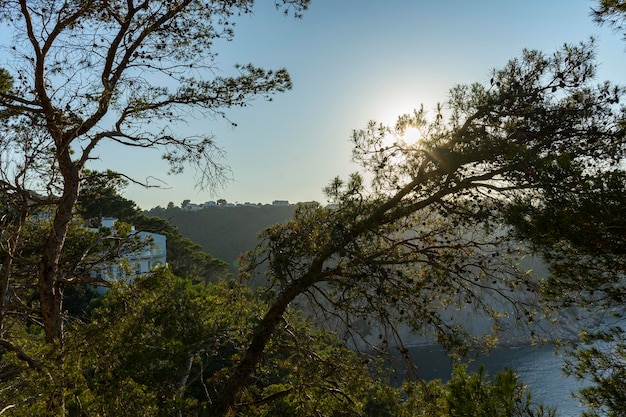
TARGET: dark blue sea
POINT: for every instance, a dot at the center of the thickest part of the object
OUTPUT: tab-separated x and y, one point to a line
538	367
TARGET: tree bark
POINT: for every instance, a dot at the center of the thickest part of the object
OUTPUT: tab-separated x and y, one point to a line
227	396
50	289
11	243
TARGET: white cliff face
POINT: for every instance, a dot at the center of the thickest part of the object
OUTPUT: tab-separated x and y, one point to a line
513	326
513	330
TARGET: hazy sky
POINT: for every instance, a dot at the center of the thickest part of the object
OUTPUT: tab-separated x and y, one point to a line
352	61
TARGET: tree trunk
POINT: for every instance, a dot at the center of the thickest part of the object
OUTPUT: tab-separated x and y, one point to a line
11	243
227	396
50	291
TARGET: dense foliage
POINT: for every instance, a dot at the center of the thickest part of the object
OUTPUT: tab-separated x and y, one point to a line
162	346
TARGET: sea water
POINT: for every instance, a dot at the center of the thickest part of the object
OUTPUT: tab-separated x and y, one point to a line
540	368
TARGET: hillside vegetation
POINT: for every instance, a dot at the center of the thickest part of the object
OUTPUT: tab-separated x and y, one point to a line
225	232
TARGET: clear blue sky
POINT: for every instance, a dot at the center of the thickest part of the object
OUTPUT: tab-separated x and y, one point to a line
352	61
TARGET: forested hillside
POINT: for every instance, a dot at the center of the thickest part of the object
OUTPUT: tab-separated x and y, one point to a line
225	232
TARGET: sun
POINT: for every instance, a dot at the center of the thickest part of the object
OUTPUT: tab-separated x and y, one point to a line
405	138
406	125
411	136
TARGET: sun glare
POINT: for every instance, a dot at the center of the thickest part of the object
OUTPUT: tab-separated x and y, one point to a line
395	114
411	136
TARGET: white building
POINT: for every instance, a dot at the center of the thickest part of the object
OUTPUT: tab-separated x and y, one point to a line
281	203
135	263
192	207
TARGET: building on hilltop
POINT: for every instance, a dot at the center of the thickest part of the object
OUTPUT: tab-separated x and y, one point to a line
189	206
280	203
192	207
